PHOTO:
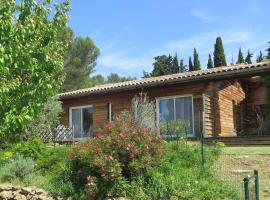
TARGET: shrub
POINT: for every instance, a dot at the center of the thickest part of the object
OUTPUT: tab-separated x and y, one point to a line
179	175
18	170
174	128
33	148
123	150
46	119
144	111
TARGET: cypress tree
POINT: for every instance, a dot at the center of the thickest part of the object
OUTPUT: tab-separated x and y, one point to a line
248	58
196	62
268	52
190	65
182	66
259	57
219	55
175	65
210	62
240	57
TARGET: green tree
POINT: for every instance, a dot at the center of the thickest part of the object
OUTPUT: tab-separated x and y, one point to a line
219	55
196	62
190	64
80	62
161	65
175	65
96	80
240	57
259	57
182	66
31	60
47	118
210	62
115	78
268	52
248	58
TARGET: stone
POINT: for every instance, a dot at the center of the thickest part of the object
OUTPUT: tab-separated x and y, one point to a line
26	190
6	195
18	196
6	187
40	191
44	197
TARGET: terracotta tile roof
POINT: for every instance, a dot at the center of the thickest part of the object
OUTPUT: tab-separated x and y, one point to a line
207	74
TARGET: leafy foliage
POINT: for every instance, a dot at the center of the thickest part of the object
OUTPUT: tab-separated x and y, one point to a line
30	62
115	78
46	119
196	61
144	111
123	150
248	58
240	57
190	65
182	66
164	65
219	55
18	170
179	176
80	62
259	57
174	128
210	63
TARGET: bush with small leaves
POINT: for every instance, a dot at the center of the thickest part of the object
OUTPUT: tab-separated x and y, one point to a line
18	170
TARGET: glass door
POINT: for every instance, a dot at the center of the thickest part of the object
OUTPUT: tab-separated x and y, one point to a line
82	121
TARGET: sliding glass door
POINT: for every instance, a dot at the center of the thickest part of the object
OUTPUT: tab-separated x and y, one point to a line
81	119
176	108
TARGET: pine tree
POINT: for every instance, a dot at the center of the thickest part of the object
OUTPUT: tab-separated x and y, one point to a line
219	55
259	57
175	65
190	65
248	58
210	62
182	67
196	61
240	57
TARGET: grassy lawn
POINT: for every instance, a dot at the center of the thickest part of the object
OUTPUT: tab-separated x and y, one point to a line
237	162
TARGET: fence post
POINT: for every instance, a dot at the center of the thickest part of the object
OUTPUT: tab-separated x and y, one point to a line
73	139
257	191
246	180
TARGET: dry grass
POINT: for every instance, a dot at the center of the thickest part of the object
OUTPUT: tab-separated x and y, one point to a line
237	162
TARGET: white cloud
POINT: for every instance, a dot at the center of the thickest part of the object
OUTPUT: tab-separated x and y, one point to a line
130	63
203	16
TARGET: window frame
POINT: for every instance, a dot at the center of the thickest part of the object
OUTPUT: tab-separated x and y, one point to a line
110	112
174	97
70	117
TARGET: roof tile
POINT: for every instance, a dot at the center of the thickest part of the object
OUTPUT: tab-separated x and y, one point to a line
186	76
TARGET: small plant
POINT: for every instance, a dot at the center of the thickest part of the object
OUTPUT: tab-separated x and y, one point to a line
175	129
18	169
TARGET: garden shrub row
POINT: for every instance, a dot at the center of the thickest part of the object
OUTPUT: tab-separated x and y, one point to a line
124	160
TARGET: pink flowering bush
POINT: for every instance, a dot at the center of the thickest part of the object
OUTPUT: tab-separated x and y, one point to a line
121	150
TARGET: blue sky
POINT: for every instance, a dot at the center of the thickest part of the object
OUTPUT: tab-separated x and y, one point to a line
130	33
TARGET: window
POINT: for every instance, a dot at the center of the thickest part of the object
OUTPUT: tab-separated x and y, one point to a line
81	119
110	112
176	108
